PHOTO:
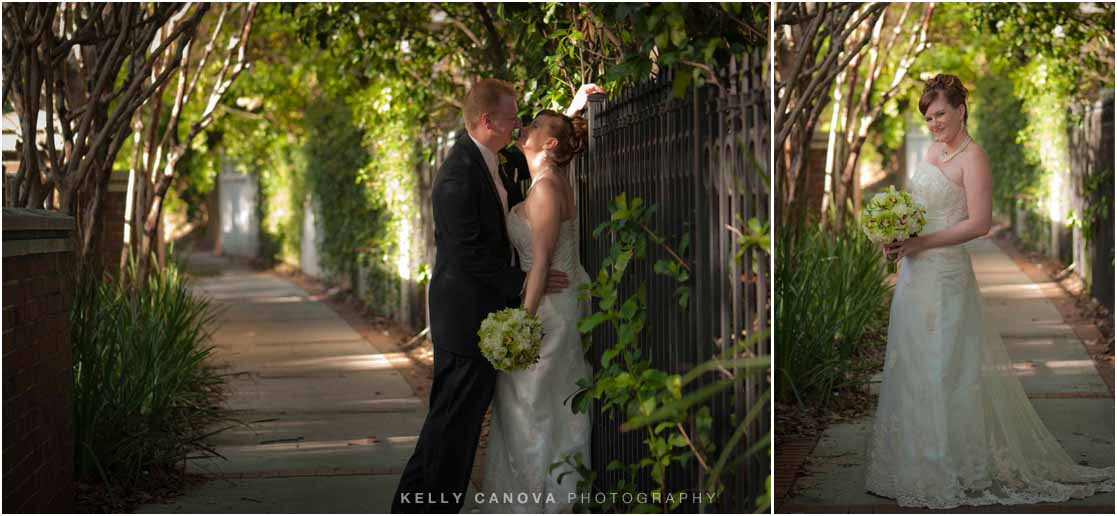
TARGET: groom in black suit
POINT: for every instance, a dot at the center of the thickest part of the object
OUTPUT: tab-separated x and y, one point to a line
475	274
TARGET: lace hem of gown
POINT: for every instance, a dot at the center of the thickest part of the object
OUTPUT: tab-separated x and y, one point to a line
1008	487
1057	493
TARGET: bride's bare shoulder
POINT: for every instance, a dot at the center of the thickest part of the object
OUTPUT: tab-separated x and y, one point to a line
544	198
975	156
975	163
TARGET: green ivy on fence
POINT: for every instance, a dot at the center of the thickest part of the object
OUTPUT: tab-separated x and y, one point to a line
677	425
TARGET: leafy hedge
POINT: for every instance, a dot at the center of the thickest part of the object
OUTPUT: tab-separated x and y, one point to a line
143	395
828	287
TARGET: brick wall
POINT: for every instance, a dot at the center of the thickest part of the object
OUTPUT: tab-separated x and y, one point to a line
816	176
38	442
112	221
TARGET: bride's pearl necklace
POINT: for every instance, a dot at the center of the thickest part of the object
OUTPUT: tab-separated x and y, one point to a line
944	158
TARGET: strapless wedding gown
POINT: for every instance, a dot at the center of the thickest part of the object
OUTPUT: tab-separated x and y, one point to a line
532	423
954	426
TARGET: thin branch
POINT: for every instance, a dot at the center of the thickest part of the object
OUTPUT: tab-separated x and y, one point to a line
461	26
690	443
208	49
666	247
710	73
496	43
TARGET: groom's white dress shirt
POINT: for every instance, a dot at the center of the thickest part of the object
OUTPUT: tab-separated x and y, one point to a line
492	162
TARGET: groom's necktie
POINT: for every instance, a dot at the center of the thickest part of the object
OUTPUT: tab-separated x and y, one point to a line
499	187
494	172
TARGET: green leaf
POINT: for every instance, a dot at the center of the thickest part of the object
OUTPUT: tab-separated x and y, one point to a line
667	409
711	47
680	84
628	310
621	201
589	323
626	334
654	376
683	293
747	364
622	262
675	386
753	414
678	28
608	301
608	355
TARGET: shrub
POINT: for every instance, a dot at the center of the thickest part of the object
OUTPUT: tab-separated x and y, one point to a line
142	393
829	288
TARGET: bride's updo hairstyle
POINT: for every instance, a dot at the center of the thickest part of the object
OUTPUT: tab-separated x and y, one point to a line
950	86
571	134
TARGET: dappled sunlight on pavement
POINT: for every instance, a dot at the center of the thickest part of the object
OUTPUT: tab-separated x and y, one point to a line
312	407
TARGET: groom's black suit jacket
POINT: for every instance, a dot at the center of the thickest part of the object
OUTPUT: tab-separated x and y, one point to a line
474	273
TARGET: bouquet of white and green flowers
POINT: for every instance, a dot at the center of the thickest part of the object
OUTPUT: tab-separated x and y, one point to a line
510	339
892	217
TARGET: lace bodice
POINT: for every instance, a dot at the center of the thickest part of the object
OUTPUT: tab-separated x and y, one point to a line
566	250
944	199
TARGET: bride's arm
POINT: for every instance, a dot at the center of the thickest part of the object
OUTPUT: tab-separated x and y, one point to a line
977	178
542	209
580	98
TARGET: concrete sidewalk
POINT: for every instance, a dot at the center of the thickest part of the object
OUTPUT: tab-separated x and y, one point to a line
328	422
1055	370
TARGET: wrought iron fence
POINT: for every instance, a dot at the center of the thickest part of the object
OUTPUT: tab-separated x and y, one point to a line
703	159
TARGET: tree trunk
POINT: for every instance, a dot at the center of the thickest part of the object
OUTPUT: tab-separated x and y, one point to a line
867	110
815	42
166	149
89	95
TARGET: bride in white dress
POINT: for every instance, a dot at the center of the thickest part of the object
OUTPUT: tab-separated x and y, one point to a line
532	424
954	426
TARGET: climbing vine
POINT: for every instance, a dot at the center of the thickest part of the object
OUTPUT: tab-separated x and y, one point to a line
677	425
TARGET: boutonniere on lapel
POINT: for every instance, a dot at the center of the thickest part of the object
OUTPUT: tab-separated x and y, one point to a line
503	166
510	173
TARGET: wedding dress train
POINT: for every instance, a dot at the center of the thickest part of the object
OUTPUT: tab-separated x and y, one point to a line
532	423
954	426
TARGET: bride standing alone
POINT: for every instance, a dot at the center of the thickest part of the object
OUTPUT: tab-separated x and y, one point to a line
954	426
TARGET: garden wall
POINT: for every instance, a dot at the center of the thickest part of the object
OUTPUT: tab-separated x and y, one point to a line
1085	239
38	448
237	213
1092	162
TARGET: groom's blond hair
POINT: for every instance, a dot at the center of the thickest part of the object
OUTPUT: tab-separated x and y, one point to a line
484	97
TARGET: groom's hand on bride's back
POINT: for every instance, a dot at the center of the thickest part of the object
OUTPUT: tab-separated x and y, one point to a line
556	282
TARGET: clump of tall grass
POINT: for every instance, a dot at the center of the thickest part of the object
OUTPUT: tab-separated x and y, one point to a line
829	288
143	395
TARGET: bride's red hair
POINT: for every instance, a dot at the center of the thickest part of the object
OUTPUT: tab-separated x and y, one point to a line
950	87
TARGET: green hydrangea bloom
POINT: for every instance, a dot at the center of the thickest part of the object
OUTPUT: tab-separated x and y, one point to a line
511	339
